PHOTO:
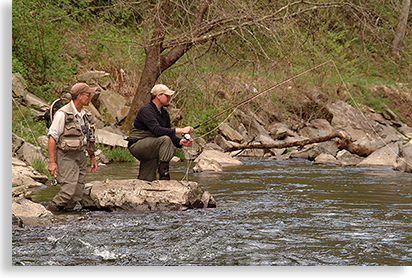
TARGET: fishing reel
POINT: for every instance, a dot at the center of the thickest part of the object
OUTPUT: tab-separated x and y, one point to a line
55	181
186	136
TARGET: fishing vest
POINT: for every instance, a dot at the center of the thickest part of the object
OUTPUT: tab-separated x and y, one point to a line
72	138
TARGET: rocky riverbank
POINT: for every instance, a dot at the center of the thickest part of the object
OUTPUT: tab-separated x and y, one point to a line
366	138
386	139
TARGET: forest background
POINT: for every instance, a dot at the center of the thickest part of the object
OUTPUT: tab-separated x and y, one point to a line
218	53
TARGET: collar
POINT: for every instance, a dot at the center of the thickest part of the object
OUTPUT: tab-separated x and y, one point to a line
77	113
157	109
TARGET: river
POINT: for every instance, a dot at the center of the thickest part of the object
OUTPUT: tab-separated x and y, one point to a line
269	212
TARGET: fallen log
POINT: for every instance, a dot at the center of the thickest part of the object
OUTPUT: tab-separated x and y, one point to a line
343	142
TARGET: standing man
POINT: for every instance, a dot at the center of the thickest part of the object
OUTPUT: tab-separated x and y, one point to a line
152	140
71	134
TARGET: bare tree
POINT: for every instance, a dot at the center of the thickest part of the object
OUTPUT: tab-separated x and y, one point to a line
166	45
401	28
156	60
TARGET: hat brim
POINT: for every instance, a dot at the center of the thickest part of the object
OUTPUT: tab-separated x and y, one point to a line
169	93
91	90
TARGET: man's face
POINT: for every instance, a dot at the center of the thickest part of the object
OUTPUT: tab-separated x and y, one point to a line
85	98
164	99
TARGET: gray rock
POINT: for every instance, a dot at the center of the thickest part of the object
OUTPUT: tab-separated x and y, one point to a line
16	142
111	105
322	124
27	152
223	158
36	102
230	133
404	161
139	195
344	157
27	176
19	88
325	158
207	165
28	212
312	132
385	156
109	138
352	121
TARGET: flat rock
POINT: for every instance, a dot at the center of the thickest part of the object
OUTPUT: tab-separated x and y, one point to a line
140	195
223	158
27	176
109	138
385	156
28	212
206	165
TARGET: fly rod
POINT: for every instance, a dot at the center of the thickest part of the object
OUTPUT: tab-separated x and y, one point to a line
255	95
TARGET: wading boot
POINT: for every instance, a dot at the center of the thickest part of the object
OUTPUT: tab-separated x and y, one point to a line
164	171
54	208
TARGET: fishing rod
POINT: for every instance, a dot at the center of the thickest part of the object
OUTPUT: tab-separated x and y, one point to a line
187	136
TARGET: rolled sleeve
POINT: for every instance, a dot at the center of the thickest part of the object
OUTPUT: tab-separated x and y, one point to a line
57	126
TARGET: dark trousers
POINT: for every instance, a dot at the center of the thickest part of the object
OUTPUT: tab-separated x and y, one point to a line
149	151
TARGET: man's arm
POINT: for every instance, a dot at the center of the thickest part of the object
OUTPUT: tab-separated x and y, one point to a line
52	167
93	161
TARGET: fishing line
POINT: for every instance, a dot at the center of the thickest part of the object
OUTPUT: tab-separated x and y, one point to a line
283	82
363	115
261	92
248	100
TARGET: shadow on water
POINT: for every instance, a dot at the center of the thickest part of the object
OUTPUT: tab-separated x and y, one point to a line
269	212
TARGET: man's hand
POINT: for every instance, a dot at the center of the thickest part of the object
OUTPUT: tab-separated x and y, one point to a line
186	143
93	163
52	167
184	130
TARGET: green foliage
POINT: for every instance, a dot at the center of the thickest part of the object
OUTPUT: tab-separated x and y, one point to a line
180	154
25	125
40	166
371	98
53	40
117	154
37	48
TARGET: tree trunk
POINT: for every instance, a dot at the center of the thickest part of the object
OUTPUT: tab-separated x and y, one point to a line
156	62
401	28
343	143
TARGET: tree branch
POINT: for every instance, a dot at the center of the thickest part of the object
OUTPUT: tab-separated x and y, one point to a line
343	143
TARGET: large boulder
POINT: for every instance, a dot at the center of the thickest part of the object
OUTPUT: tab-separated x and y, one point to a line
109	138
404	161
140	195
223	158
386	156
353	122
19	88
111	105
27	152
28	212
230	133
27	176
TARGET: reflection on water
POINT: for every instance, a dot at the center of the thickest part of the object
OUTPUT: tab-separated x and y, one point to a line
269	212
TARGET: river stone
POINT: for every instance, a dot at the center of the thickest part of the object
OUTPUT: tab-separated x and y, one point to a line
109	138
140	195
385	156
27	211
230	133
223	158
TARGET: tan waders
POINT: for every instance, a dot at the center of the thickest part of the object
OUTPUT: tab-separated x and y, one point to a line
150	151
71	171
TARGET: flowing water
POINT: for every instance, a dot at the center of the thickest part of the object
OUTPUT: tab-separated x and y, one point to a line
269	212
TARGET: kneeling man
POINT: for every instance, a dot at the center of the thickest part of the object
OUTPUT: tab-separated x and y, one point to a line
152	140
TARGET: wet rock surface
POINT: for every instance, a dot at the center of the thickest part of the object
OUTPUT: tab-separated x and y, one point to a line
139	195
